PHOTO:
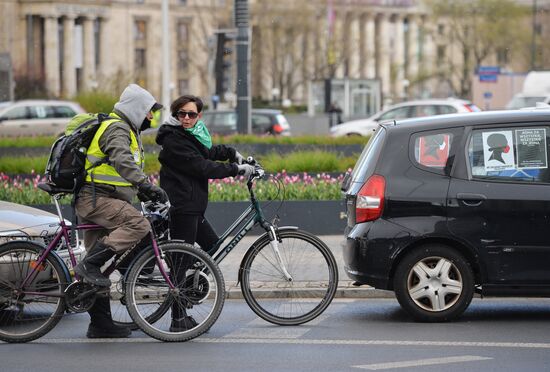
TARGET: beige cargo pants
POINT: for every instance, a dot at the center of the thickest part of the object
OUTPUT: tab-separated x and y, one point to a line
124	225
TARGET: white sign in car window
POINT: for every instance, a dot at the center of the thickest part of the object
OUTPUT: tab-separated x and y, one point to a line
531	148
498	150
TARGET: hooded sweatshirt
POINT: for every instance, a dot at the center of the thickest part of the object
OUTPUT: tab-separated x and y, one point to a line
186	166
132	108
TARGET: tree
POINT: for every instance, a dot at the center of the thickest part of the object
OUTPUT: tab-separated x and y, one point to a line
477	30
295	44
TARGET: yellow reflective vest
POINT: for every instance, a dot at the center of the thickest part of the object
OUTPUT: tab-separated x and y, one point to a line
106	173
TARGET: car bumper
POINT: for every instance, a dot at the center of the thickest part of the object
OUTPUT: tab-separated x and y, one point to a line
369	254
7	272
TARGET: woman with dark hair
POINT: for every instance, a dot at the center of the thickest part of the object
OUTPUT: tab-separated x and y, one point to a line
188	160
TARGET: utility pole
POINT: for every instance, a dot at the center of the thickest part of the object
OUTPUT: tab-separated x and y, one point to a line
165	58
243	57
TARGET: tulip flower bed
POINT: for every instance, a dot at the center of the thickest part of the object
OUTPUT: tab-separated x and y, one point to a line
303	186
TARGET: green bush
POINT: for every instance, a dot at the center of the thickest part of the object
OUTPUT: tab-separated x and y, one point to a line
47	141
97	101
306	161
300	161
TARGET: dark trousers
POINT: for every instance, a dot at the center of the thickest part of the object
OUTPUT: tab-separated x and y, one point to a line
192	229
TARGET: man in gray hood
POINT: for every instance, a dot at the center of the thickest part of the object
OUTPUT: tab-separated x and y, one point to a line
105	199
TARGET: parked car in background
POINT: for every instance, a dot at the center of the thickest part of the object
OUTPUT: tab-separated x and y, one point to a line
36	117
22	222
444	207
263	121
536	88
521	101
404	110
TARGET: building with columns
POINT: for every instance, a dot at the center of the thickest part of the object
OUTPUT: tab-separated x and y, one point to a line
294	42
75	46
78	45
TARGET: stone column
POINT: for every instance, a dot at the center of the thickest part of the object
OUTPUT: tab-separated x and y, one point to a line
299	75
383	65
412	66
69	70
428	47
369	65
399	55
354	48
51	55
105	60
266	67
88	69
339	44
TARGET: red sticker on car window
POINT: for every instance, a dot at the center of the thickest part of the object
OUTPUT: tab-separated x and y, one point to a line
434	150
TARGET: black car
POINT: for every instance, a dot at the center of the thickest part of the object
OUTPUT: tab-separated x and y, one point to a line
263	121
444	207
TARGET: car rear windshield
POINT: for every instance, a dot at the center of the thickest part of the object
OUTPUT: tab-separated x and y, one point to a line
367	161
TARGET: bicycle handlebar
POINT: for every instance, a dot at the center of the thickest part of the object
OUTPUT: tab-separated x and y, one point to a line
258	169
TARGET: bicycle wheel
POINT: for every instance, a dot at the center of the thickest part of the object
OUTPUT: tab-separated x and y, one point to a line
29	312
119	310
199	292
280	301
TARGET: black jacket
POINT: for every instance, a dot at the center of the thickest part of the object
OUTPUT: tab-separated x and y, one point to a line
186	166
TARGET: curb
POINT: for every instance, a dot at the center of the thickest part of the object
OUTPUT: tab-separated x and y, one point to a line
346	289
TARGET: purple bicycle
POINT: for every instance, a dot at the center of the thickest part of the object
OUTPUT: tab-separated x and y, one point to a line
37	287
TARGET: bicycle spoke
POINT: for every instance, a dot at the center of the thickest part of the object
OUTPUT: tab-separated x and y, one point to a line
30	312
289	302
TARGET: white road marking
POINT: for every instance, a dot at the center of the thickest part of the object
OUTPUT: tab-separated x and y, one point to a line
423	362
269	332
517	345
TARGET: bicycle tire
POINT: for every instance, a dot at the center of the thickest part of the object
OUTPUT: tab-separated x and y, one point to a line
144	294
119	311
24	316
283	302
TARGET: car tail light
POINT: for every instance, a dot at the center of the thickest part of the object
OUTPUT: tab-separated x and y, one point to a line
370	199
468	108
277	128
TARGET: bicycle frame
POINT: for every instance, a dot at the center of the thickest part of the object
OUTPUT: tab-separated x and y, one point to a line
64	234
252	216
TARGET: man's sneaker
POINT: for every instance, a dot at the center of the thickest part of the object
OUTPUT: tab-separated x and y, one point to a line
183	324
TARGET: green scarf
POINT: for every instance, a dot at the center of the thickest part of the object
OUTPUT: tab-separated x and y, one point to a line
201	133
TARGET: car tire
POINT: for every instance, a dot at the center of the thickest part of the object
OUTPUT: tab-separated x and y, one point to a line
427	272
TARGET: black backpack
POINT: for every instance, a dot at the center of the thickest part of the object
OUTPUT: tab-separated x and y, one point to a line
66	165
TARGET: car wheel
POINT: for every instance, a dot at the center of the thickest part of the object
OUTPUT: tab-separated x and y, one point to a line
434	283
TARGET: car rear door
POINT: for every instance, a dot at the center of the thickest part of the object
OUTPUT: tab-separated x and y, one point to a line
223	123
15	122
44	121
501	203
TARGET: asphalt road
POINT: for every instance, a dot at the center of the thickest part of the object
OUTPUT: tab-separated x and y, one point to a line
352	335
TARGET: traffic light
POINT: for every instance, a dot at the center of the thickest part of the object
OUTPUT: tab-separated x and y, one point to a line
223	67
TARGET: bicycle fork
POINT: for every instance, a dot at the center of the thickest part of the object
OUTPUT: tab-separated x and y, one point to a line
274	243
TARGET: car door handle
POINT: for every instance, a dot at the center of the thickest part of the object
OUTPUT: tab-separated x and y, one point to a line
471	200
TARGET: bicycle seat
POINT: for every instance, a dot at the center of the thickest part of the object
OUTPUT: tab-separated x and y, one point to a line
52	189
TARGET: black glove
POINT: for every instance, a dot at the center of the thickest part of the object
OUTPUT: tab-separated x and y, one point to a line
148	191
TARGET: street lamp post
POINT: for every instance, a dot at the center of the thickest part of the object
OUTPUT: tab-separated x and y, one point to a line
534	37
165	57
243	74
